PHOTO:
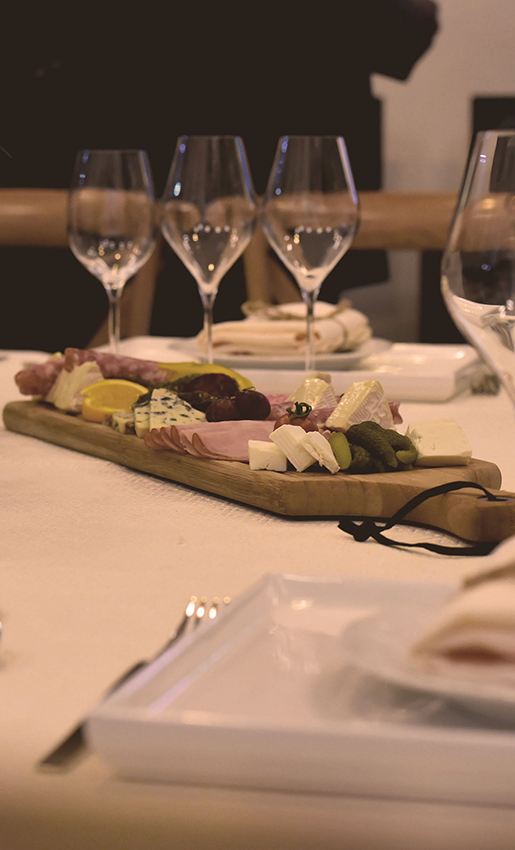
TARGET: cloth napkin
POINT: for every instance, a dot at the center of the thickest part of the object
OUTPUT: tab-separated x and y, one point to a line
472	636
281	329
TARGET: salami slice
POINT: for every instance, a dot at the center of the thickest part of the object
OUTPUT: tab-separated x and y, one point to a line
116	365
38	380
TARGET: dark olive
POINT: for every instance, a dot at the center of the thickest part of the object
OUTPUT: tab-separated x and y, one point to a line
222	410
251	404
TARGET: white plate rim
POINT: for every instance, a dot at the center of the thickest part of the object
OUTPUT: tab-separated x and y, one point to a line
327	360
364	648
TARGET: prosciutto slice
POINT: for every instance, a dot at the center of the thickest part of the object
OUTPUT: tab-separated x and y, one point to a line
37	380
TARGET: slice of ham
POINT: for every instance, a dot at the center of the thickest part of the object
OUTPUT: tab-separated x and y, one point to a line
38	380
154	440
215	440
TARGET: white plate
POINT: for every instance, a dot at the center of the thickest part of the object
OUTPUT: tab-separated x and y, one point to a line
379	645
169	348
335	360
263	697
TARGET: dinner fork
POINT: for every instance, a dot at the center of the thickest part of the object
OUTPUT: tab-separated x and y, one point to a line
198	609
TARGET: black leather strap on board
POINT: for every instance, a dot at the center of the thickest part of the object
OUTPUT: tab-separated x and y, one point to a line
364	528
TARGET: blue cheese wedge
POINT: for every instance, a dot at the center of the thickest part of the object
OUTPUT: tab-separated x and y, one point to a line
439	442
266	455
141	418
289	439
123	421
166	408
363	401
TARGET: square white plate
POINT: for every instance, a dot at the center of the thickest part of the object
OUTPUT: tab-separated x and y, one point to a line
264	697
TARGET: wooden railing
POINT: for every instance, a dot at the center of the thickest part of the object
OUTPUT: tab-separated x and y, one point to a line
417	221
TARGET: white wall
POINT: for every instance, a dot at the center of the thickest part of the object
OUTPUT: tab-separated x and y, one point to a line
427	128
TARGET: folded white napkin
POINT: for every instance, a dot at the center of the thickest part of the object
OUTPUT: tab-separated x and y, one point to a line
281	329
472	636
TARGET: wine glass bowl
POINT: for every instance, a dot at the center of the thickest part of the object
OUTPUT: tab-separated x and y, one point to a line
208	212
310	213
112	223
478	264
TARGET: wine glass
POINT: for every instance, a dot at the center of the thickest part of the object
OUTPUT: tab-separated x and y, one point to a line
310	213
478	264
112	223
208	212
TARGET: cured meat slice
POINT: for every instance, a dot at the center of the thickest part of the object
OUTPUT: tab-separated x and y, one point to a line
166	437
38	380
183	437
154	440
115	365
224	440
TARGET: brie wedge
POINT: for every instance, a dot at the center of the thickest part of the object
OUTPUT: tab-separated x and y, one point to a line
363	401
316	390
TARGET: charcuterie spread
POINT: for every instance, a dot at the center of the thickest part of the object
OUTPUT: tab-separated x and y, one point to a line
212	412
310	453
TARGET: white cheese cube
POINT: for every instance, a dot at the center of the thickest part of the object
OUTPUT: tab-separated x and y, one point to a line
289	439
266	455
363	401
439	442
318	446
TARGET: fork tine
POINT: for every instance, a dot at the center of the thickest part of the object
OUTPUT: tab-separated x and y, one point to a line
208	611
189	612
200	611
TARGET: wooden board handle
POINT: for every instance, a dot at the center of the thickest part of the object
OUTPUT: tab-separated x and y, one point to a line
469	514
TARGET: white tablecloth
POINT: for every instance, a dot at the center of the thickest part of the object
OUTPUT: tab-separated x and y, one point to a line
96	563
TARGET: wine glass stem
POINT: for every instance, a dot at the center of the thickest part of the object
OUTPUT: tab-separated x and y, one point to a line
309	298
113	318
208	300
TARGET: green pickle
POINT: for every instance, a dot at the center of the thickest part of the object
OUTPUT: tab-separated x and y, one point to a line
372	438
341	449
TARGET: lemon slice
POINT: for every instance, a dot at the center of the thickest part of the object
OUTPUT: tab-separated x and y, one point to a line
106	397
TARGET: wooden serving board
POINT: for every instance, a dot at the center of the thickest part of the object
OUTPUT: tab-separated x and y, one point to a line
311	493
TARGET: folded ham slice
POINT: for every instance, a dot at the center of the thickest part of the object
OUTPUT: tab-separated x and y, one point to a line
215	440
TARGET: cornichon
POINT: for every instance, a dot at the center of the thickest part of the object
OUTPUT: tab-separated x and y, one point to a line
366	435
341	449
405	451
363	461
